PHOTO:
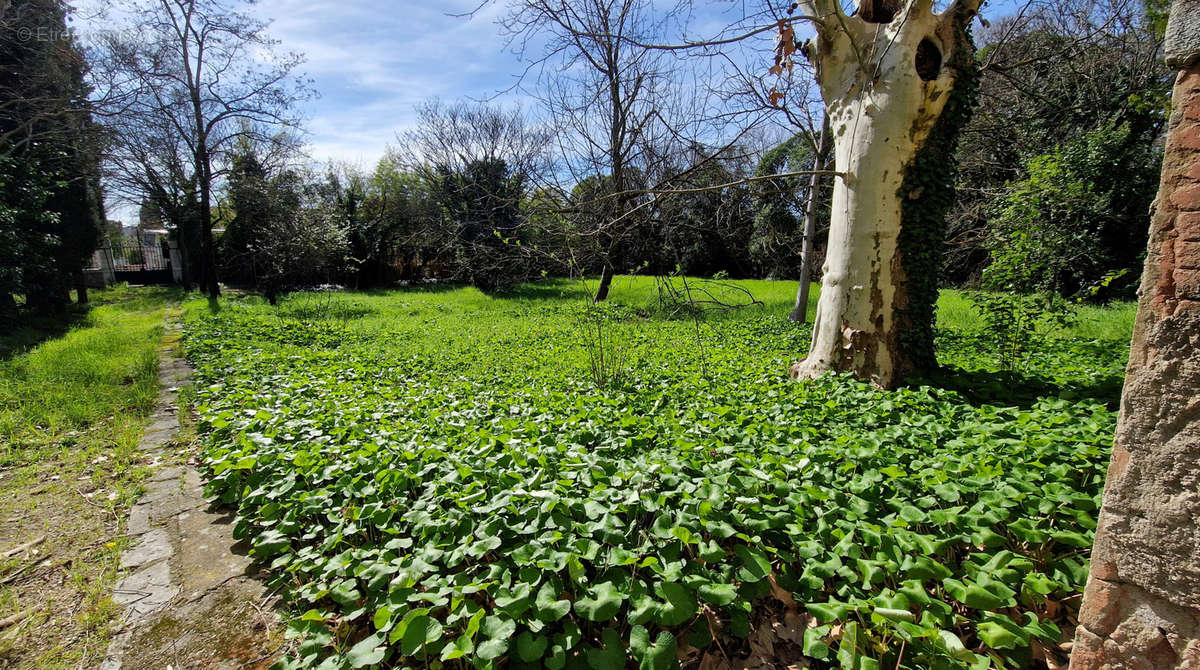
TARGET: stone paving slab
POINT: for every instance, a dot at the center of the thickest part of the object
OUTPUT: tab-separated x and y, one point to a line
202	536
145	591
153	546
224	629
139	520
191	598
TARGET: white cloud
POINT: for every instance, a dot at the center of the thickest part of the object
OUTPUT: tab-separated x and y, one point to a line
372	62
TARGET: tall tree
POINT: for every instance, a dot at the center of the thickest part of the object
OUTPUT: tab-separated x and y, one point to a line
779	203
390	214
1050	76
607	88
255	206
791	210
284	230
149	163
477	162
898	81
484	203
703	232
209	73
1077	224
50	216
811	211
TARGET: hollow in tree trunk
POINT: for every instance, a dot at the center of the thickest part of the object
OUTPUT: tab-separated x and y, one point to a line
898	81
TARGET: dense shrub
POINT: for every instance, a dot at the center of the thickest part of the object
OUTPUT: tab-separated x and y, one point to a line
280	237
1079	220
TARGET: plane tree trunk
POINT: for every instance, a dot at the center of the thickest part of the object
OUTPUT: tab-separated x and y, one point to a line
898	82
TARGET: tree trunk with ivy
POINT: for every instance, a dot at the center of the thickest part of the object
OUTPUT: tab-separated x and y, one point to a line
898	81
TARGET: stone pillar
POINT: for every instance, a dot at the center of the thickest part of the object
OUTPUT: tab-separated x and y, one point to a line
1141	608
176	261
107	269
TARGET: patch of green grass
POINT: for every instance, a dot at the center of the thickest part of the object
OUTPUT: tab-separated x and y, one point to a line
1112	322
1090	322
75	392
955	311
102	366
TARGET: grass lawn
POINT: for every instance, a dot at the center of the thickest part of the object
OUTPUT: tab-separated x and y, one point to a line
74	395
438	476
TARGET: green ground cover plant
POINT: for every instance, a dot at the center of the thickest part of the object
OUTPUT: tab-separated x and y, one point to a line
435	478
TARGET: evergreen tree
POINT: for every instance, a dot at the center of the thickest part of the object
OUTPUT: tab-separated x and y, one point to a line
51	209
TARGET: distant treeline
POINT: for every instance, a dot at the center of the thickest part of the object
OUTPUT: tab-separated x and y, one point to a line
1056	171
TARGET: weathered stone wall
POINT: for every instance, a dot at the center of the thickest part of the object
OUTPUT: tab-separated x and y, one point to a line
1141	609
1183	34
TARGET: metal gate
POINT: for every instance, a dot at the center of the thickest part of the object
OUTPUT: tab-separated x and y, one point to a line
136	262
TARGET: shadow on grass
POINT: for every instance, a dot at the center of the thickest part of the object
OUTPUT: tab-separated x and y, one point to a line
987	387
33	329
550	290
439	287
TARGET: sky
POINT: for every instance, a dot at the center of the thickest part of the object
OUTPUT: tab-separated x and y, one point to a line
372	62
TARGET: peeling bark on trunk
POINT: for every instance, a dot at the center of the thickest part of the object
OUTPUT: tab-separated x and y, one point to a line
886	86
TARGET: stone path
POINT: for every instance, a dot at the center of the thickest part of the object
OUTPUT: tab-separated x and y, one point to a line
190	597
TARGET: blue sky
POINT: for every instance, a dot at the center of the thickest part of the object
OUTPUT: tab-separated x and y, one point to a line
373	61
